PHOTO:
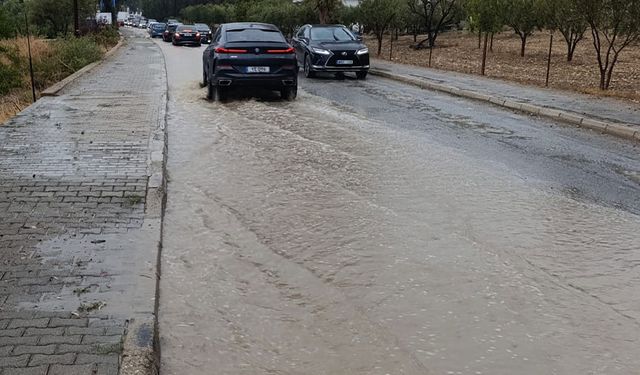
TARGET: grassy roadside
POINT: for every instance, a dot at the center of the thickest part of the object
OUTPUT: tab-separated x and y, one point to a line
53	60
458	51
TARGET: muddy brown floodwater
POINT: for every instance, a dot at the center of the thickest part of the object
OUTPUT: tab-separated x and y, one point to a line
306	238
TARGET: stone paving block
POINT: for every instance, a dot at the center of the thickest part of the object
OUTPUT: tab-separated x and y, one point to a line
88	369
18	323
42	359
85	331
44	331
31	340
16	332
5	350
38	370
96	358
44	340
71	348
107	369
15	361
34	349
101	339
59	322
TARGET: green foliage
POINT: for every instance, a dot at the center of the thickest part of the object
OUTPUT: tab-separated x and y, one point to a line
485	15
524	17
377	16
347	15
53	18
63	58
435	16
285	14
10	64
614	26
326	9
11	18
211	14
106	38
566	17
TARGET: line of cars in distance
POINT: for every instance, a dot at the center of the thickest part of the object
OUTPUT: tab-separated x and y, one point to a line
180	34
252	54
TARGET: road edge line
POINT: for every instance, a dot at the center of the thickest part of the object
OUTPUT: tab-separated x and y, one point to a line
55	89
618	130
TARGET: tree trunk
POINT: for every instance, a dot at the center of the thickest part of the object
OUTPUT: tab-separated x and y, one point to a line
323	15
479	39
607	83
524	44
571	47
484	53
491	43
379	37
603	75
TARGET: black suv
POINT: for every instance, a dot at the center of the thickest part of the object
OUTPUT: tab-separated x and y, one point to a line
330	48
249	55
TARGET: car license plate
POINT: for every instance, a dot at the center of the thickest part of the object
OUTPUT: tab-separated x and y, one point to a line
187	34
344	62
257	69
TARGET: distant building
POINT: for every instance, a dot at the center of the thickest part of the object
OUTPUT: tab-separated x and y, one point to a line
351	3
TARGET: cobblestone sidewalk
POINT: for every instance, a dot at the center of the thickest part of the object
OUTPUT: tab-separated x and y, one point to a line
77	246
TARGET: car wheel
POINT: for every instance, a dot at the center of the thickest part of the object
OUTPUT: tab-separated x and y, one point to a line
289	93
308	72
361	75
216	93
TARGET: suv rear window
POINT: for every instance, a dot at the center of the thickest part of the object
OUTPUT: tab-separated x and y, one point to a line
254	35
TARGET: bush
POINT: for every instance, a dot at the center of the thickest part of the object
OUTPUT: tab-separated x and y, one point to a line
107	37
10	63
63	58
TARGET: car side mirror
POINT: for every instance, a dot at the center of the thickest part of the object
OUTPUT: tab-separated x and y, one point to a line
304	40
359	38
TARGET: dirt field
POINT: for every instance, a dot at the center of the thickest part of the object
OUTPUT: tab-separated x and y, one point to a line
458	51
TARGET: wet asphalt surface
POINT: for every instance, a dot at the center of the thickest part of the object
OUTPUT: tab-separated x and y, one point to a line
373	228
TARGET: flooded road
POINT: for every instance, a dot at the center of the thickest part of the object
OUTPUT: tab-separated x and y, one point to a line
373	228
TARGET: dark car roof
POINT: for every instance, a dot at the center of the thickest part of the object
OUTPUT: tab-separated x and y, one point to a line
249	25
318	25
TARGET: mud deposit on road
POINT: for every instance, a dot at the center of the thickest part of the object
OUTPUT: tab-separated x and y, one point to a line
301	238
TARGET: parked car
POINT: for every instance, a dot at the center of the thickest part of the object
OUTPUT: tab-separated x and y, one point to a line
157	29
173	21
186	34
249	55
167	34
205	33
142	24
330	48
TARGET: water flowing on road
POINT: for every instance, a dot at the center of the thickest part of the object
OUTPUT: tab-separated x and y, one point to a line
322	237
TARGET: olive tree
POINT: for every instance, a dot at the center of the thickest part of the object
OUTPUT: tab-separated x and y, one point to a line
377	16
524	17
435	16
566	17
614	24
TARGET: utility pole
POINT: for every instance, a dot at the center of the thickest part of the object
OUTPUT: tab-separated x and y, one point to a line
76	22
33	86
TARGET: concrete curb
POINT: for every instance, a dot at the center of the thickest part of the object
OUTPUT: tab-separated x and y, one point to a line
55	89
618	130
141	348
